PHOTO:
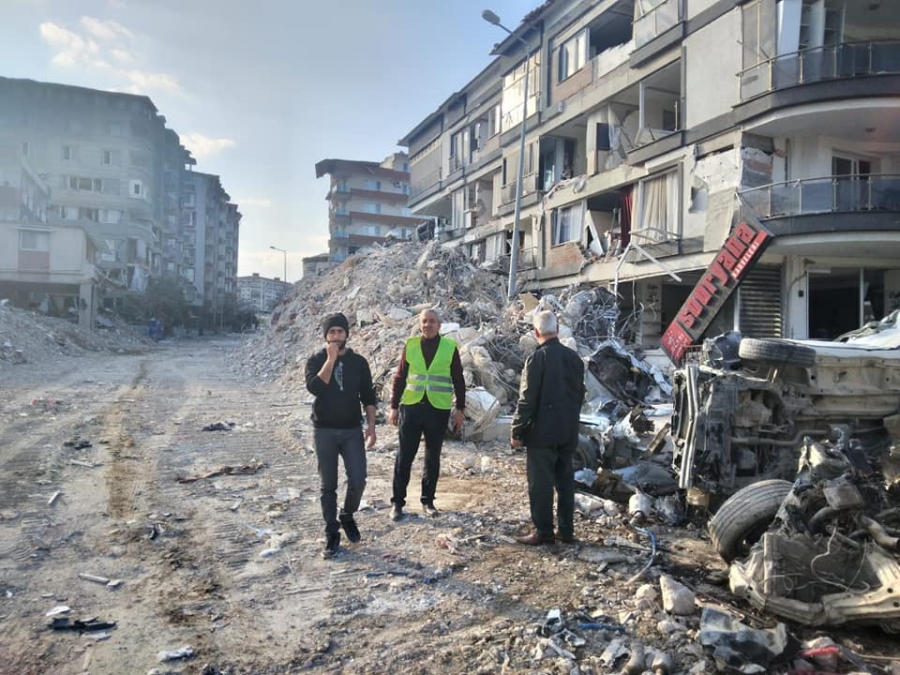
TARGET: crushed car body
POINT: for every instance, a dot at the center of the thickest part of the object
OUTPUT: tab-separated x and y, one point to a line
829	557
742	410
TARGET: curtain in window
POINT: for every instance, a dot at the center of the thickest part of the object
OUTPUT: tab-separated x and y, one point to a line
658	219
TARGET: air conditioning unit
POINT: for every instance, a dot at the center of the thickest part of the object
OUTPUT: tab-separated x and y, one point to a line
471	219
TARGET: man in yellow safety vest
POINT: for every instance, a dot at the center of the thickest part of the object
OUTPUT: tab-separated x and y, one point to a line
428	377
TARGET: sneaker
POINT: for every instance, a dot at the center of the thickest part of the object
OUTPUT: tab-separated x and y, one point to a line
430	511
396	512
332	544
350	529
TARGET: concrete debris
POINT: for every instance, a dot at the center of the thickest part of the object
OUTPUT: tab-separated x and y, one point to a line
676	597
738	646
185	652
382	294
27	337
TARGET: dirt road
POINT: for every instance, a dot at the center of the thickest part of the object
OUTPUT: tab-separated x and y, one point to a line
226	560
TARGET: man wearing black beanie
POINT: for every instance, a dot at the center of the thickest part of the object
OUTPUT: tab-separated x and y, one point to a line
341	381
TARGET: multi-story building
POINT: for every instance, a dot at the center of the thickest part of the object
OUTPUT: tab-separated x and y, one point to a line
174	183
211	226
100	152
315	265
366	203
43	265
115	170
653	127
261	293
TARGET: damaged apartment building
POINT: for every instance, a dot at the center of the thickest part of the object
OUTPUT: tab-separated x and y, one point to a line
654	127
366	206
113	172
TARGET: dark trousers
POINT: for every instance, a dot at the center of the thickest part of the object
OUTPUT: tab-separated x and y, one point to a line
549	468
347	444
421	419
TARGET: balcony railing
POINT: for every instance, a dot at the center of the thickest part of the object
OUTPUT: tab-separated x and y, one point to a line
529	185
817	64
425	182
657	21
830	194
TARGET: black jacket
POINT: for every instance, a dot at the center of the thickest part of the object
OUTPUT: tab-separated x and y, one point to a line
550	397
337	404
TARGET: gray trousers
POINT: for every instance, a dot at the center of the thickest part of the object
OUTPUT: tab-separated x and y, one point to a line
347	444
549	468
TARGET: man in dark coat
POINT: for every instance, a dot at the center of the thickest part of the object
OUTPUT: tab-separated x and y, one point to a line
546	423
341	381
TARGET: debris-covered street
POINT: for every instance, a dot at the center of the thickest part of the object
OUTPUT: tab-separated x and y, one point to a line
159	509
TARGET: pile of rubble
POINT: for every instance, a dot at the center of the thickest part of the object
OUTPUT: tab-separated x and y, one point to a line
27	337
382	294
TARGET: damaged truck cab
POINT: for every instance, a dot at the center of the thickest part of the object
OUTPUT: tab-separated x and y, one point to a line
740	420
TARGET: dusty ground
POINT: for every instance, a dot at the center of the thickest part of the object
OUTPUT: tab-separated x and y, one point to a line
230	565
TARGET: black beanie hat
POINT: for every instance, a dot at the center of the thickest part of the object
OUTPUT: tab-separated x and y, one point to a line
336	319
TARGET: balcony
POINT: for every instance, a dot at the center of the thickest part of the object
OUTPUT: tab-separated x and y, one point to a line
423	183
340	215
820	64
831	194
657	21
529	186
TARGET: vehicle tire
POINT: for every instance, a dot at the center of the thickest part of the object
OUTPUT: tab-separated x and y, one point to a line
776	352
745	516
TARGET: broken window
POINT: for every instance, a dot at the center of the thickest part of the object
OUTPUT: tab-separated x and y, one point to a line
565	225
34	240
572	56
514	91
652	18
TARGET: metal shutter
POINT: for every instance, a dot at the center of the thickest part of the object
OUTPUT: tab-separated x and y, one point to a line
760	302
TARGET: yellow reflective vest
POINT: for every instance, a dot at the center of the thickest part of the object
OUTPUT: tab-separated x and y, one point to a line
433	381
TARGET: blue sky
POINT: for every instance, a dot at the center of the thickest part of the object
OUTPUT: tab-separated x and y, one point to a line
261	90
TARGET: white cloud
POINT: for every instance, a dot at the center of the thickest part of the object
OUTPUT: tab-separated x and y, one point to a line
104	45
142	81
121	55
106	30
203	146
259	203
70	48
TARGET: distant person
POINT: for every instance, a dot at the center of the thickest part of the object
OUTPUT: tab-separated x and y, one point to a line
546	424
428	377
341	381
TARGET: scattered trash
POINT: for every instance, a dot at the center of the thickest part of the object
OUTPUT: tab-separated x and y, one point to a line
220	426
87	625
740	647
185	652
94	578
243	470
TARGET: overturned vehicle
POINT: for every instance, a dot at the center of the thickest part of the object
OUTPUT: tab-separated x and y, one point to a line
829	555
742	410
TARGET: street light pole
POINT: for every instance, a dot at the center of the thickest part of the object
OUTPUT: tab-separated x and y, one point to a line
492	18
275	248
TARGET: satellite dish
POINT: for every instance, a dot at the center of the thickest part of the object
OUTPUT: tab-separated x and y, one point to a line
580	184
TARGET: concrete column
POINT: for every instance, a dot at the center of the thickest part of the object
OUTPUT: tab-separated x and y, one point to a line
86	308
796	298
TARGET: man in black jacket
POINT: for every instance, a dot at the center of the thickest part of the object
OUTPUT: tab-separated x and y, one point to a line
546	423
340	380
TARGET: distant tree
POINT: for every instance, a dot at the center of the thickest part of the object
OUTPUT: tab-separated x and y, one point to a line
165	300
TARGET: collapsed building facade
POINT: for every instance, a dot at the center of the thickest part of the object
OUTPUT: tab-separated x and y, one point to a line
653	127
